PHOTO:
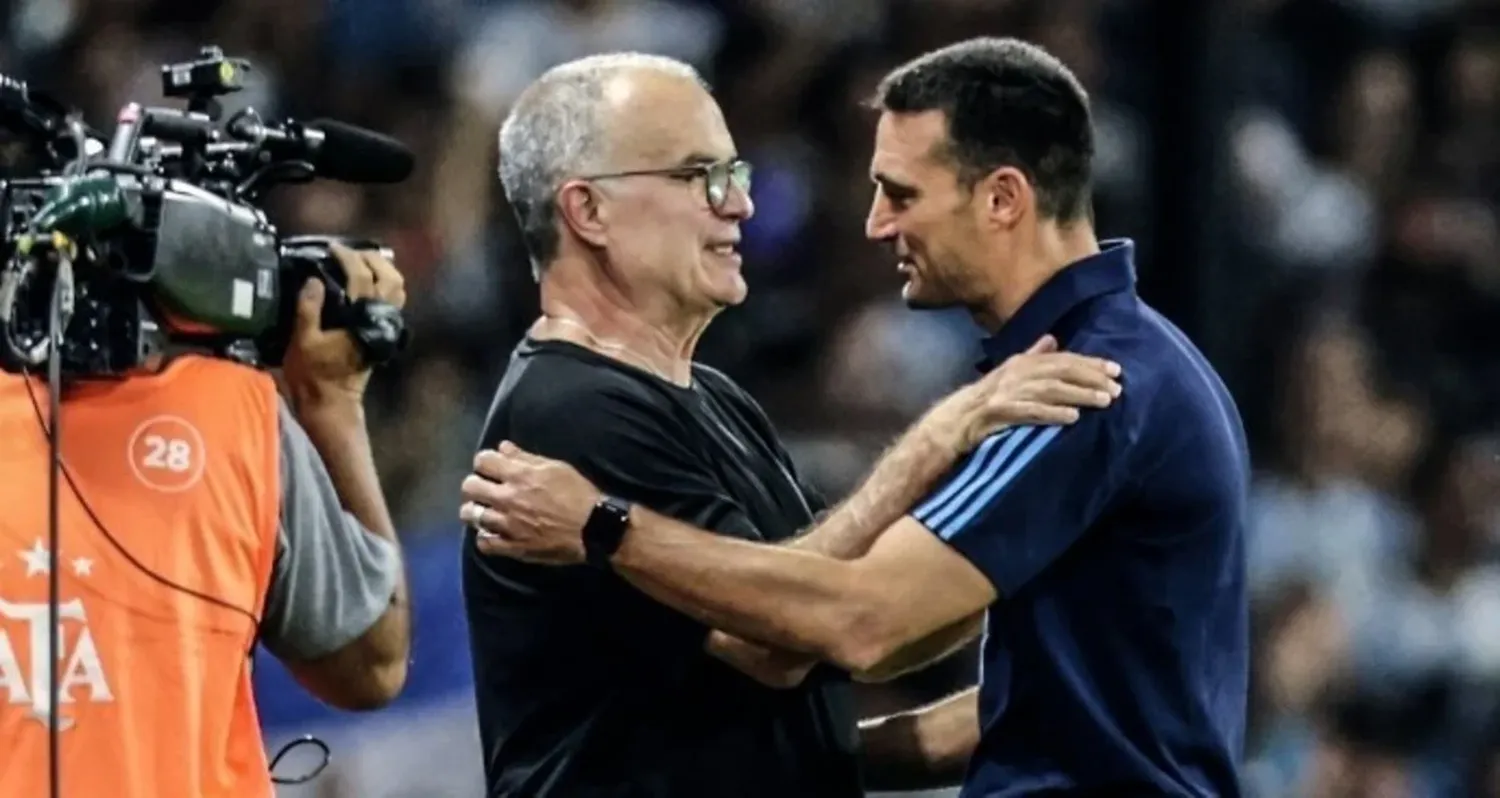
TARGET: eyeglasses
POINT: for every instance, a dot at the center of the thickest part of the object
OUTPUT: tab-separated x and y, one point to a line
717	178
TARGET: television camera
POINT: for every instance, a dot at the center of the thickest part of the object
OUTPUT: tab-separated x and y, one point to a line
152	242
113	251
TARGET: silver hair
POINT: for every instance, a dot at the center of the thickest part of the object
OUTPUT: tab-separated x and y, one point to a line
557	130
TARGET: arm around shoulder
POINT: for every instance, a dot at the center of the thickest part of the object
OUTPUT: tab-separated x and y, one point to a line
855	613
901	476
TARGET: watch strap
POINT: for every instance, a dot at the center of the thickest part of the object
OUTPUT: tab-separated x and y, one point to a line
604	531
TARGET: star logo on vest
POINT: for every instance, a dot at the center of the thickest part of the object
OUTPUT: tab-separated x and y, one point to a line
25	647
37	560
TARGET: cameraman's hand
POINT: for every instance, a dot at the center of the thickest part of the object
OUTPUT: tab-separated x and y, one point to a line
322	365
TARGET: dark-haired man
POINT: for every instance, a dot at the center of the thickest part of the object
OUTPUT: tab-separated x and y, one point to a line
1107	555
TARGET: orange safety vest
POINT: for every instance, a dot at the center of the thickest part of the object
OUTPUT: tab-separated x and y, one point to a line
182	468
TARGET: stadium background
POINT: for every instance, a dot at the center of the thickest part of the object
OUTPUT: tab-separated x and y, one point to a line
1313	187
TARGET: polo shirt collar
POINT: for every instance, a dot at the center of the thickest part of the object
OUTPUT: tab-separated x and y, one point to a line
1109	271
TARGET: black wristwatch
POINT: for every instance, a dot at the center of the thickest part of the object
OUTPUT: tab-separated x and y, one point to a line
604	531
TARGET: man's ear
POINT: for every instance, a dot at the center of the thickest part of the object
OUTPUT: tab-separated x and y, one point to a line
1007	196
579	207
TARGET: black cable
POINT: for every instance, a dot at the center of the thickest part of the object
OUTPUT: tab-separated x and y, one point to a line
62	287
306	739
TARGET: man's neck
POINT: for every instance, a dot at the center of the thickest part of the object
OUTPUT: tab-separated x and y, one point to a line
604	319
1050	249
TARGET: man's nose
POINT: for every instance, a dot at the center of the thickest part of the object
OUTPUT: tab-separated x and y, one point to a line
879	225
738	205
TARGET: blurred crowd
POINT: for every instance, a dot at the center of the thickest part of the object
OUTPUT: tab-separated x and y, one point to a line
1356	192
1363	147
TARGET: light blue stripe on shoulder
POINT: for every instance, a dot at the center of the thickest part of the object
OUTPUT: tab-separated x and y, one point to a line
962	491
977	461
992	488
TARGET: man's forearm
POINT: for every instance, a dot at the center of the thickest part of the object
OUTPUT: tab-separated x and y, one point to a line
900	478
772	666
337	431
797	600
923	749
932	648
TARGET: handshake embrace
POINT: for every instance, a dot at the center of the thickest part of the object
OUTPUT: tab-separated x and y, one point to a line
534	508
867	589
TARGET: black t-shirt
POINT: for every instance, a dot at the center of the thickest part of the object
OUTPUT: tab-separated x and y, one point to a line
586	687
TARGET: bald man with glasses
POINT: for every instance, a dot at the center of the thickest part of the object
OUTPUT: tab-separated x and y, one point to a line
630	196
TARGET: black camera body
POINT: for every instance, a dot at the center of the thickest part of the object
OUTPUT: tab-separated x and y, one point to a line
157	242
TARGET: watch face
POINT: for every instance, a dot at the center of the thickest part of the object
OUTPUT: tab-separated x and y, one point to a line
604	530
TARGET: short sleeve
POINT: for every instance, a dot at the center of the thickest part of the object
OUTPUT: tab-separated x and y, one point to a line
1025	496
332	579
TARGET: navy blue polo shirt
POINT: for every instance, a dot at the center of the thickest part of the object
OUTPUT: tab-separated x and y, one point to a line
1115	660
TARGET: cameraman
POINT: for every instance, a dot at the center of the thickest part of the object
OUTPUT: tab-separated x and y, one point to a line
201	513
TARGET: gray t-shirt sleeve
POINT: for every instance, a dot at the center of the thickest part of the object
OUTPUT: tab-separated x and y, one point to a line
332	578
